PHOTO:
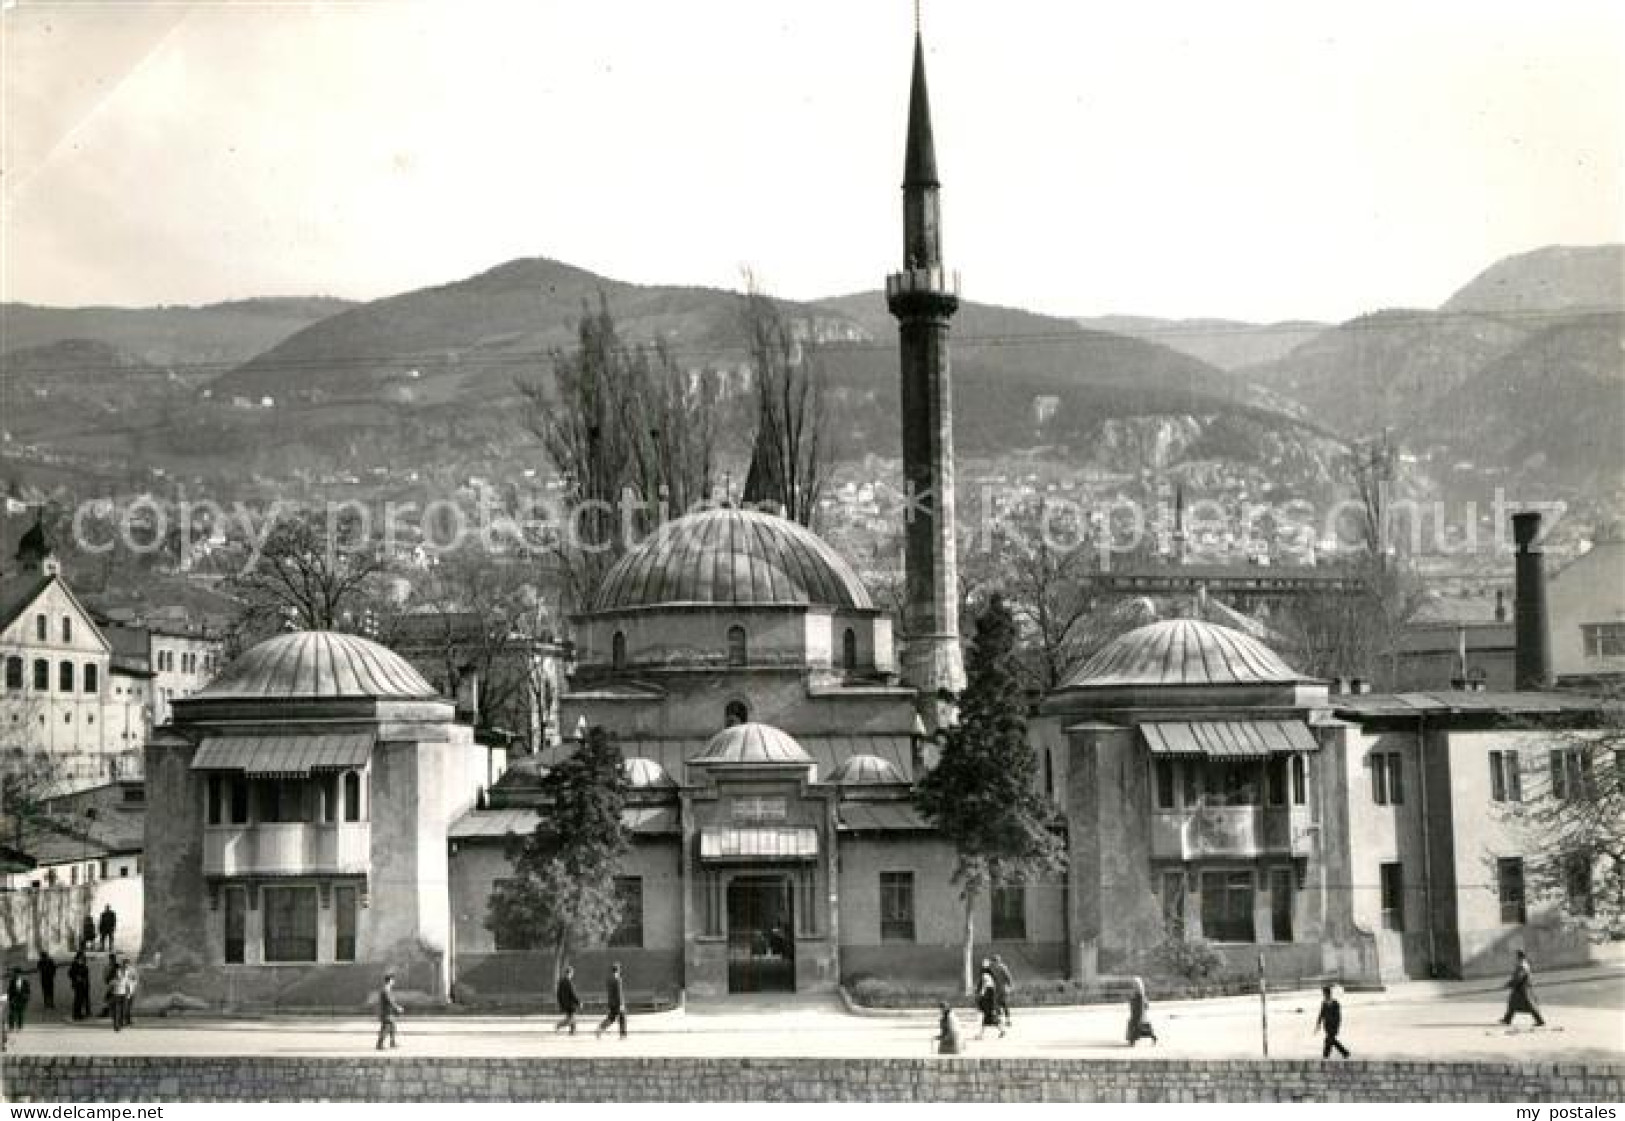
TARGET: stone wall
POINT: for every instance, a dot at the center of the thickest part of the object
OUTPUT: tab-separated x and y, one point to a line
81	1079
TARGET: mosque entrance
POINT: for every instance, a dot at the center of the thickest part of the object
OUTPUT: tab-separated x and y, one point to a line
761	935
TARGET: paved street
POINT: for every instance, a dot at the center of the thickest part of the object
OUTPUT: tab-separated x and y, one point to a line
1585	1014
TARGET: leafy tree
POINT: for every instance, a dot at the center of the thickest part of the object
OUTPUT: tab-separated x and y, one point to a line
313	573
790	457
562	893
1573	823
983	794
631	433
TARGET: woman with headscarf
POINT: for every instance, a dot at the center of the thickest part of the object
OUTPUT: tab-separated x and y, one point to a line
949	1041
1139	1023
987	999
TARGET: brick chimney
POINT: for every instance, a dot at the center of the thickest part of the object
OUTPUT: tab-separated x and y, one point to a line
1532	658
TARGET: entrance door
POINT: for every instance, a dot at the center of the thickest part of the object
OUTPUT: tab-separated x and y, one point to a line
761	935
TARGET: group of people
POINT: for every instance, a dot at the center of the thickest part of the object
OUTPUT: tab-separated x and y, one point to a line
993	1000
120	983
569	1001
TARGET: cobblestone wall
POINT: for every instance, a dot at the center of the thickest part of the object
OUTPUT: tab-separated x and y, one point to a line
78	1079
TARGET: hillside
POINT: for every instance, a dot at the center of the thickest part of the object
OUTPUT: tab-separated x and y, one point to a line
1226	343
1556	279
214	337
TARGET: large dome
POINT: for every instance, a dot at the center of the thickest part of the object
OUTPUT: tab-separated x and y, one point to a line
731	556
1183	652
318	664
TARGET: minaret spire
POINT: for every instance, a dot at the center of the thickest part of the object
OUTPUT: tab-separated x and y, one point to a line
923	297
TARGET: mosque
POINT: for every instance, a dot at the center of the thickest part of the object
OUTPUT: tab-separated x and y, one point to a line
316	815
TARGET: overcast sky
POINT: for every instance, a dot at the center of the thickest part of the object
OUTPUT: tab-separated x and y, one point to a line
1250	160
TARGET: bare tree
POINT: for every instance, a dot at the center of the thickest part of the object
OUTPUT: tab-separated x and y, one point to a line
790	456
1572	819
474	619
313	573
632	435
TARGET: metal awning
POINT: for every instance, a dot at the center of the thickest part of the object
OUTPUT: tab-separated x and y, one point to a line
284	755
754	842
1229	739
881	817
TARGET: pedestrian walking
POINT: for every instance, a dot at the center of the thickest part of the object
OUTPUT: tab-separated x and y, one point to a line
106	926
79	981
1004	982
17	997
113	967
47	979
118	996
87	933
569	1000
388	1010
1330	1021
132	978
1521	997
948	1039
987	1000
1139	1015
615	997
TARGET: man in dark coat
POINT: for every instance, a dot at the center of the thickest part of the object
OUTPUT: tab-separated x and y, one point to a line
111	975
1003	982
388	1010
1330	1020
1521	997
79	979
17	996
569	1001
106	926
87	933
47	978
615	997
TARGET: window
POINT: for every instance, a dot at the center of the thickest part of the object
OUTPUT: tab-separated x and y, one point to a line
1577	884
1173	904
736	646
14	673
67	629
64	677
1282	881
1193	784
617	651
897	906
40	629
1387	778
1276	780
1227	906
1509	886
290	923
849	650
1393	896
42	674
93	682
236	924
1165	784
1300	781
1603	640
287	800
736	712
1049	774
239	799
216	799
1230	784
352	796
629	931
1009	912
1506	783
1572	777
344	913
507	936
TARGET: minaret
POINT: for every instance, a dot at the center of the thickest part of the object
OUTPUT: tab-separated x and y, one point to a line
923	297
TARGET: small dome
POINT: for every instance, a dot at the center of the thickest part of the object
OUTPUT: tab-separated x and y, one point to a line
735	557
319	664
646	774
752	743
864	770
1183	652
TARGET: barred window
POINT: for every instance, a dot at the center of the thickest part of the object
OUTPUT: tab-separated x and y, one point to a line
1509	887
629	931
290	924
897	906
1009	912
1393	897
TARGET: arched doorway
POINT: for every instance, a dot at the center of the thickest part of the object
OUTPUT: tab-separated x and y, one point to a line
761	935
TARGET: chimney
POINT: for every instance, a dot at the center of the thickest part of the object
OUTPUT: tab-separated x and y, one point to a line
1532	645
